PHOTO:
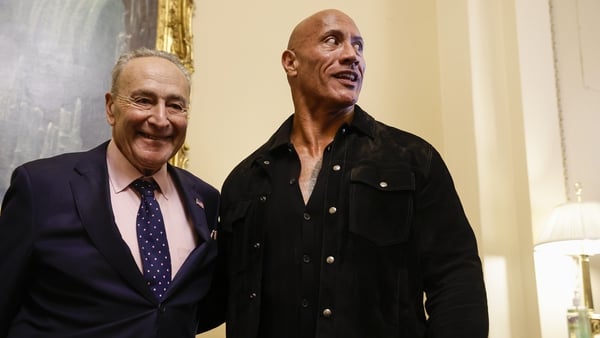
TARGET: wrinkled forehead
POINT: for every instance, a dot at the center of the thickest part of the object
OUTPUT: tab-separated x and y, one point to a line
155	71
336	20
320	23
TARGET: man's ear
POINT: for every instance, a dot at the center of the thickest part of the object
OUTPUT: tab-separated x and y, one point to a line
108	108
288	61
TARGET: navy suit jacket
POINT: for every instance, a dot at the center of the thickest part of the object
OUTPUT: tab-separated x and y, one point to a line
65	271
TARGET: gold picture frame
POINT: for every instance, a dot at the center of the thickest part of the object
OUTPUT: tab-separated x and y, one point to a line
174	35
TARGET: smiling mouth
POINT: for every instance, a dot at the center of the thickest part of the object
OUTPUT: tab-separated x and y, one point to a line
155	138
347	76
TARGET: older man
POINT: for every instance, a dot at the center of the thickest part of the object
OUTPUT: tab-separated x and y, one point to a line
114	242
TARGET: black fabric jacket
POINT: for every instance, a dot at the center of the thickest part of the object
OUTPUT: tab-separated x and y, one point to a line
402	233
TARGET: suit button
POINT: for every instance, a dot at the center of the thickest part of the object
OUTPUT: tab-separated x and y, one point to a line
252	295
327	313
330	259
256	245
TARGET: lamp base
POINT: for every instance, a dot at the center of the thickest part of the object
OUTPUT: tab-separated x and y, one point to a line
579	322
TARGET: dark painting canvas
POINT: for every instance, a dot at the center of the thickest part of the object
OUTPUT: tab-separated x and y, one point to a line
56	60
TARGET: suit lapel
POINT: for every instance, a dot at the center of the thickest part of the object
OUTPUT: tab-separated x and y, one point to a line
194	203
92	197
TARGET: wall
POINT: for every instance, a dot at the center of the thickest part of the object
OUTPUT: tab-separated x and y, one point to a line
559	89
484	140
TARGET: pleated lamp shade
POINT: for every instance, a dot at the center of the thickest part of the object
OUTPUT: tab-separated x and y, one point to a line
573	228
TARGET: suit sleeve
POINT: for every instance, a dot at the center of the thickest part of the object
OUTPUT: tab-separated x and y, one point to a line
212	308
16	238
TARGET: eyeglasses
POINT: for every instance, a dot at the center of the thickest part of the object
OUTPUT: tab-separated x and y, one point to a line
173	107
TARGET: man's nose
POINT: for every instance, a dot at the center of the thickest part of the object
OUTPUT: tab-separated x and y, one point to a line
350	54
159	114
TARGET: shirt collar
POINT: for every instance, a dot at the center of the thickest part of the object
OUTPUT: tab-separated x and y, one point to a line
361	122
121	173
282	135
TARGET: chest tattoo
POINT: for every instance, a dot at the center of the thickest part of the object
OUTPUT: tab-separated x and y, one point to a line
308	176
312	181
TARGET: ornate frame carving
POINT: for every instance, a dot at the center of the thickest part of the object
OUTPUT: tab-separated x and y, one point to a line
174	35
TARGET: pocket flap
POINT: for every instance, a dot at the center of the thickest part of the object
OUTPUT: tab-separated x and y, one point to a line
235	212
393	179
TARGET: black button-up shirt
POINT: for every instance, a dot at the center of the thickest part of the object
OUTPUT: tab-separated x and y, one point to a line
293	236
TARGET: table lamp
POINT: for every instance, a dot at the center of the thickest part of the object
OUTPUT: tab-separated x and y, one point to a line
573	229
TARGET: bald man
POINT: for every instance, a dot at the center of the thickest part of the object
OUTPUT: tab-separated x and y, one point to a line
341	226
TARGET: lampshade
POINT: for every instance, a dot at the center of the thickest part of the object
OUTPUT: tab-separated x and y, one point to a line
573	228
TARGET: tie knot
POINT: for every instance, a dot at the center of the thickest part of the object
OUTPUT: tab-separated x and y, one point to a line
145	187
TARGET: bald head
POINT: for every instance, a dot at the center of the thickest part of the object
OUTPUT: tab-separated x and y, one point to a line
313	24
324	61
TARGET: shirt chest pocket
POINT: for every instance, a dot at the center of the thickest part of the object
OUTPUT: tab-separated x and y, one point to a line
381	204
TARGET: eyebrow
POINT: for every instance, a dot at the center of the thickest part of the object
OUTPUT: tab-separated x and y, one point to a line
339	32
144	92
331	32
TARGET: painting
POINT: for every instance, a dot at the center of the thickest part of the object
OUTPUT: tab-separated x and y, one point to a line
57	57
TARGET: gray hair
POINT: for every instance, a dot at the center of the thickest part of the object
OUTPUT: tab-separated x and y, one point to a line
146	52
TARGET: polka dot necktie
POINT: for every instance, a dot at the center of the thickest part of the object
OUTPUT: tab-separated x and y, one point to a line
152	239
